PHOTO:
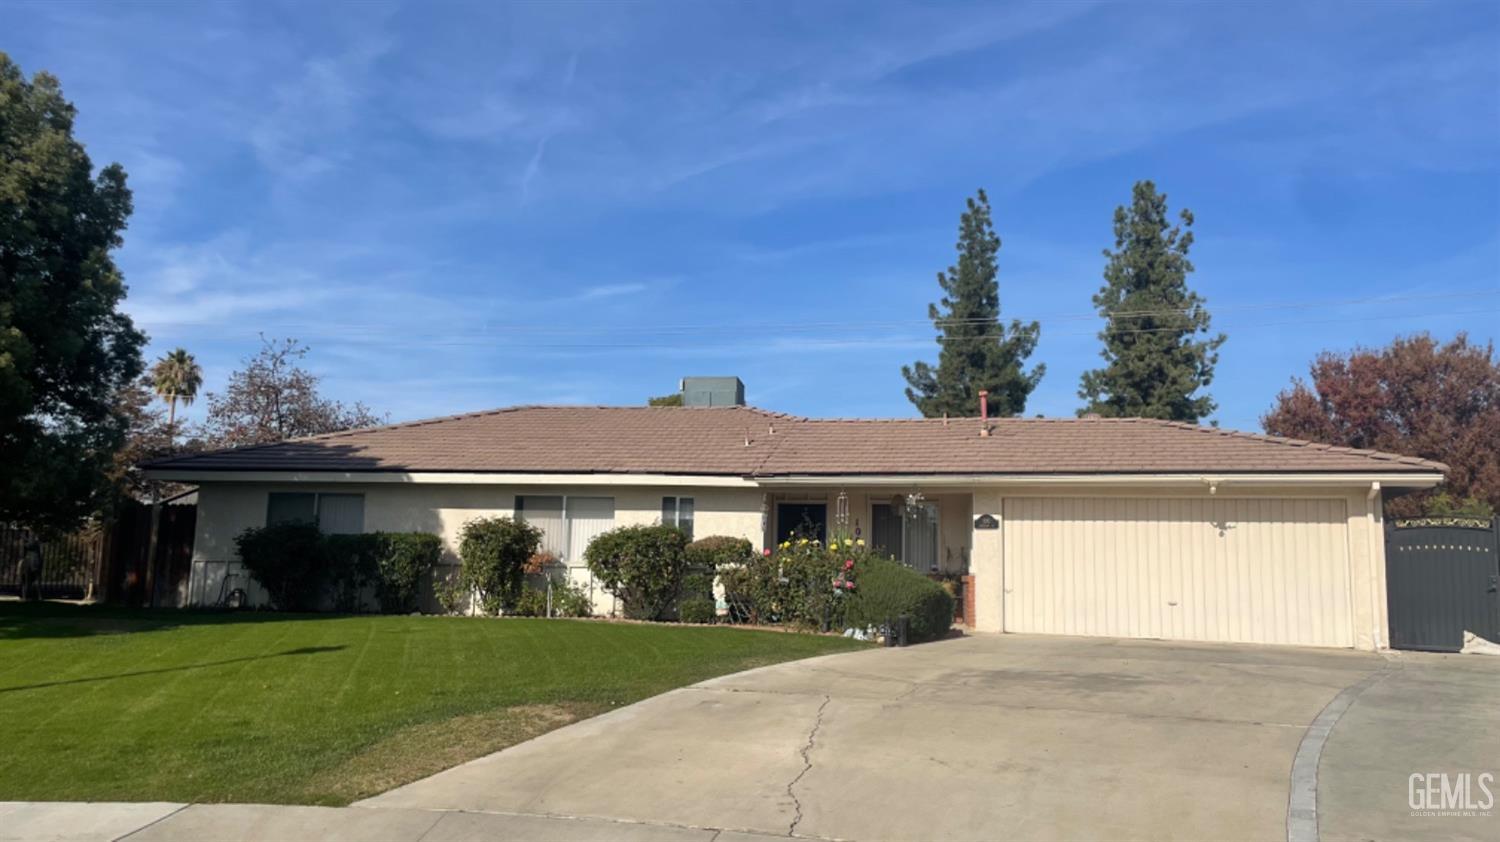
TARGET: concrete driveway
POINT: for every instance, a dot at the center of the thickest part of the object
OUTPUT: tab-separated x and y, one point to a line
1010	736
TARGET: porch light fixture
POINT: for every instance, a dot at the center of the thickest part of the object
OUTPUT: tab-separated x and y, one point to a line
914	502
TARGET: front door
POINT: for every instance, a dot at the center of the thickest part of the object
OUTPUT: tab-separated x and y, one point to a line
801	520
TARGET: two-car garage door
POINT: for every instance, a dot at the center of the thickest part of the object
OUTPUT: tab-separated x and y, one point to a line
1216	569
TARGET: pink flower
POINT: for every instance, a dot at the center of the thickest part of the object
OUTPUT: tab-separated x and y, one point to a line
849	565
848	586
766	552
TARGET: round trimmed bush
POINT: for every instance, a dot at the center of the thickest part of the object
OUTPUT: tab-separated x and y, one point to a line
719	551
493	553
888	589
642	565
697	610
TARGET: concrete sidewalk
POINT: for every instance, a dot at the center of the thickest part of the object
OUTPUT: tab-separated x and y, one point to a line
165	822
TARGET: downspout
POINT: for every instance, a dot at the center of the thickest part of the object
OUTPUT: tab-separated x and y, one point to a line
1371	500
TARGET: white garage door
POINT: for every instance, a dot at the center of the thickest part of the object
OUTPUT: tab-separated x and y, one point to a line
1219	569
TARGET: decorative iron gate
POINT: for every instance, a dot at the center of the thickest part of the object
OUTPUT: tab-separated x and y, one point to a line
1442	579
69	562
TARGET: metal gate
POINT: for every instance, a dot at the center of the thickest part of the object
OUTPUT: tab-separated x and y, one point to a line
69	562
1442	579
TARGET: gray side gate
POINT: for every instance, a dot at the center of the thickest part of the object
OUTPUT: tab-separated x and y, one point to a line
1442	579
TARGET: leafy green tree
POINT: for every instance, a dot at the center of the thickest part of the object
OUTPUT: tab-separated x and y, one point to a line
66	350
674	399
1155	364
176	377
977	353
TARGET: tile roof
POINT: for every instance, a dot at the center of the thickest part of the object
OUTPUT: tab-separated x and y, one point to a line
744	441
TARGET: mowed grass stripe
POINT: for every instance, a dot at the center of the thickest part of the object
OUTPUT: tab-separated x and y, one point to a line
315	709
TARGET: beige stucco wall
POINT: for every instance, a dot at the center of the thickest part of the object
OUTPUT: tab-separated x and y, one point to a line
227	509
1352	571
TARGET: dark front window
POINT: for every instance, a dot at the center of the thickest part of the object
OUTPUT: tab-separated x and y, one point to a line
678	512
291	508
801	520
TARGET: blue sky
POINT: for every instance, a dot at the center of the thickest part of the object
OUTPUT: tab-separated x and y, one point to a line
466	206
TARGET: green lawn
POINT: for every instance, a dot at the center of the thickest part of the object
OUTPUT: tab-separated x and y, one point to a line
112	704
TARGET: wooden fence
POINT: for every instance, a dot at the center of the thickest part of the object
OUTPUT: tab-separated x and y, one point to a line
110	562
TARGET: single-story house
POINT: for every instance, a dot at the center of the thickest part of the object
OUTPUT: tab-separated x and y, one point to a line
1114	527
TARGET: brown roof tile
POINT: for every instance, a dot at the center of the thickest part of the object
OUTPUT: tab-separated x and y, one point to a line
743	441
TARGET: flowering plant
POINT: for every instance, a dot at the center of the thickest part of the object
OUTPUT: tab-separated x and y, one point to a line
804	581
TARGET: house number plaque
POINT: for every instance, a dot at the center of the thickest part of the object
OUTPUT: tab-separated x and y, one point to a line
986	522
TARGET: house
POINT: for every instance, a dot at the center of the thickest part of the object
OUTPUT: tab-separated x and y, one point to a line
1116	527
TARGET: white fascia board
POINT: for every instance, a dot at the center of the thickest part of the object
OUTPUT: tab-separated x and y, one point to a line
1401	480
443	478
1397	480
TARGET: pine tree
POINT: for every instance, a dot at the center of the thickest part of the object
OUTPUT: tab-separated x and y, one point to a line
976	351
1154	363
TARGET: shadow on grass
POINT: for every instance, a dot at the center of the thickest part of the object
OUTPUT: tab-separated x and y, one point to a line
22	620
304	650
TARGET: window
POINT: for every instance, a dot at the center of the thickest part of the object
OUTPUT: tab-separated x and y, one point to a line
292	508
909	534
341	514
568	524
334	514
678	512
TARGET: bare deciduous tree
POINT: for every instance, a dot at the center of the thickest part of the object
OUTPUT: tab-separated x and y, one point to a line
273	398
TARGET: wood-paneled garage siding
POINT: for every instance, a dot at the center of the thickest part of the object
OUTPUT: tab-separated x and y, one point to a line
1257	570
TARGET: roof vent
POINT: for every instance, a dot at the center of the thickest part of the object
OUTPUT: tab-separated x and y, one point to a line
713	391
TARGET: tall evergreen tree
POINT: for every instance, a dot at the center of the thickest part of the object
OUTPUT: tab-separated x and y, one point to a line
976	351
65	346
1155	364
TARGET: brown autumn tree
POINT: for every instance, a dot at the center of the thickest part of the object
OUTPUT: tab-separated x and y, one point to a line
1416	397
273	398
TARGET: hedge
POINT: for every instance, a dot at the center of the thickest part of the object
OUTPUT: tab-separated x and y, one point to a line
888	589
304	570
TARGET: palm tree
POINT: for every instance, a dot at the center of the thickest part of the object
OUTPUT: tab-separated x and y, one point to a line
176	376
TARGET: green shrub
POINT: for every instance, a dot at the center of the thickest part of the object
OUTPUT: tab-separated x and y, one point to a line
696	610
493	553
350	564
450	591
403	559
642	565
532	602
287	560
800	584
570	600
718	551
887	589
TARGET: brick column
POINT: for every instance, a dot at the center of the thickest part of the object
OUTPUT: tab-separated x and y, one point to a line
969	600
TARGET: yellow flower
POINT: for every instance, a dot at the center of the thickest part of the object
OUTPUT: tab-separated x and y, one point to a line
801	542
860	543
